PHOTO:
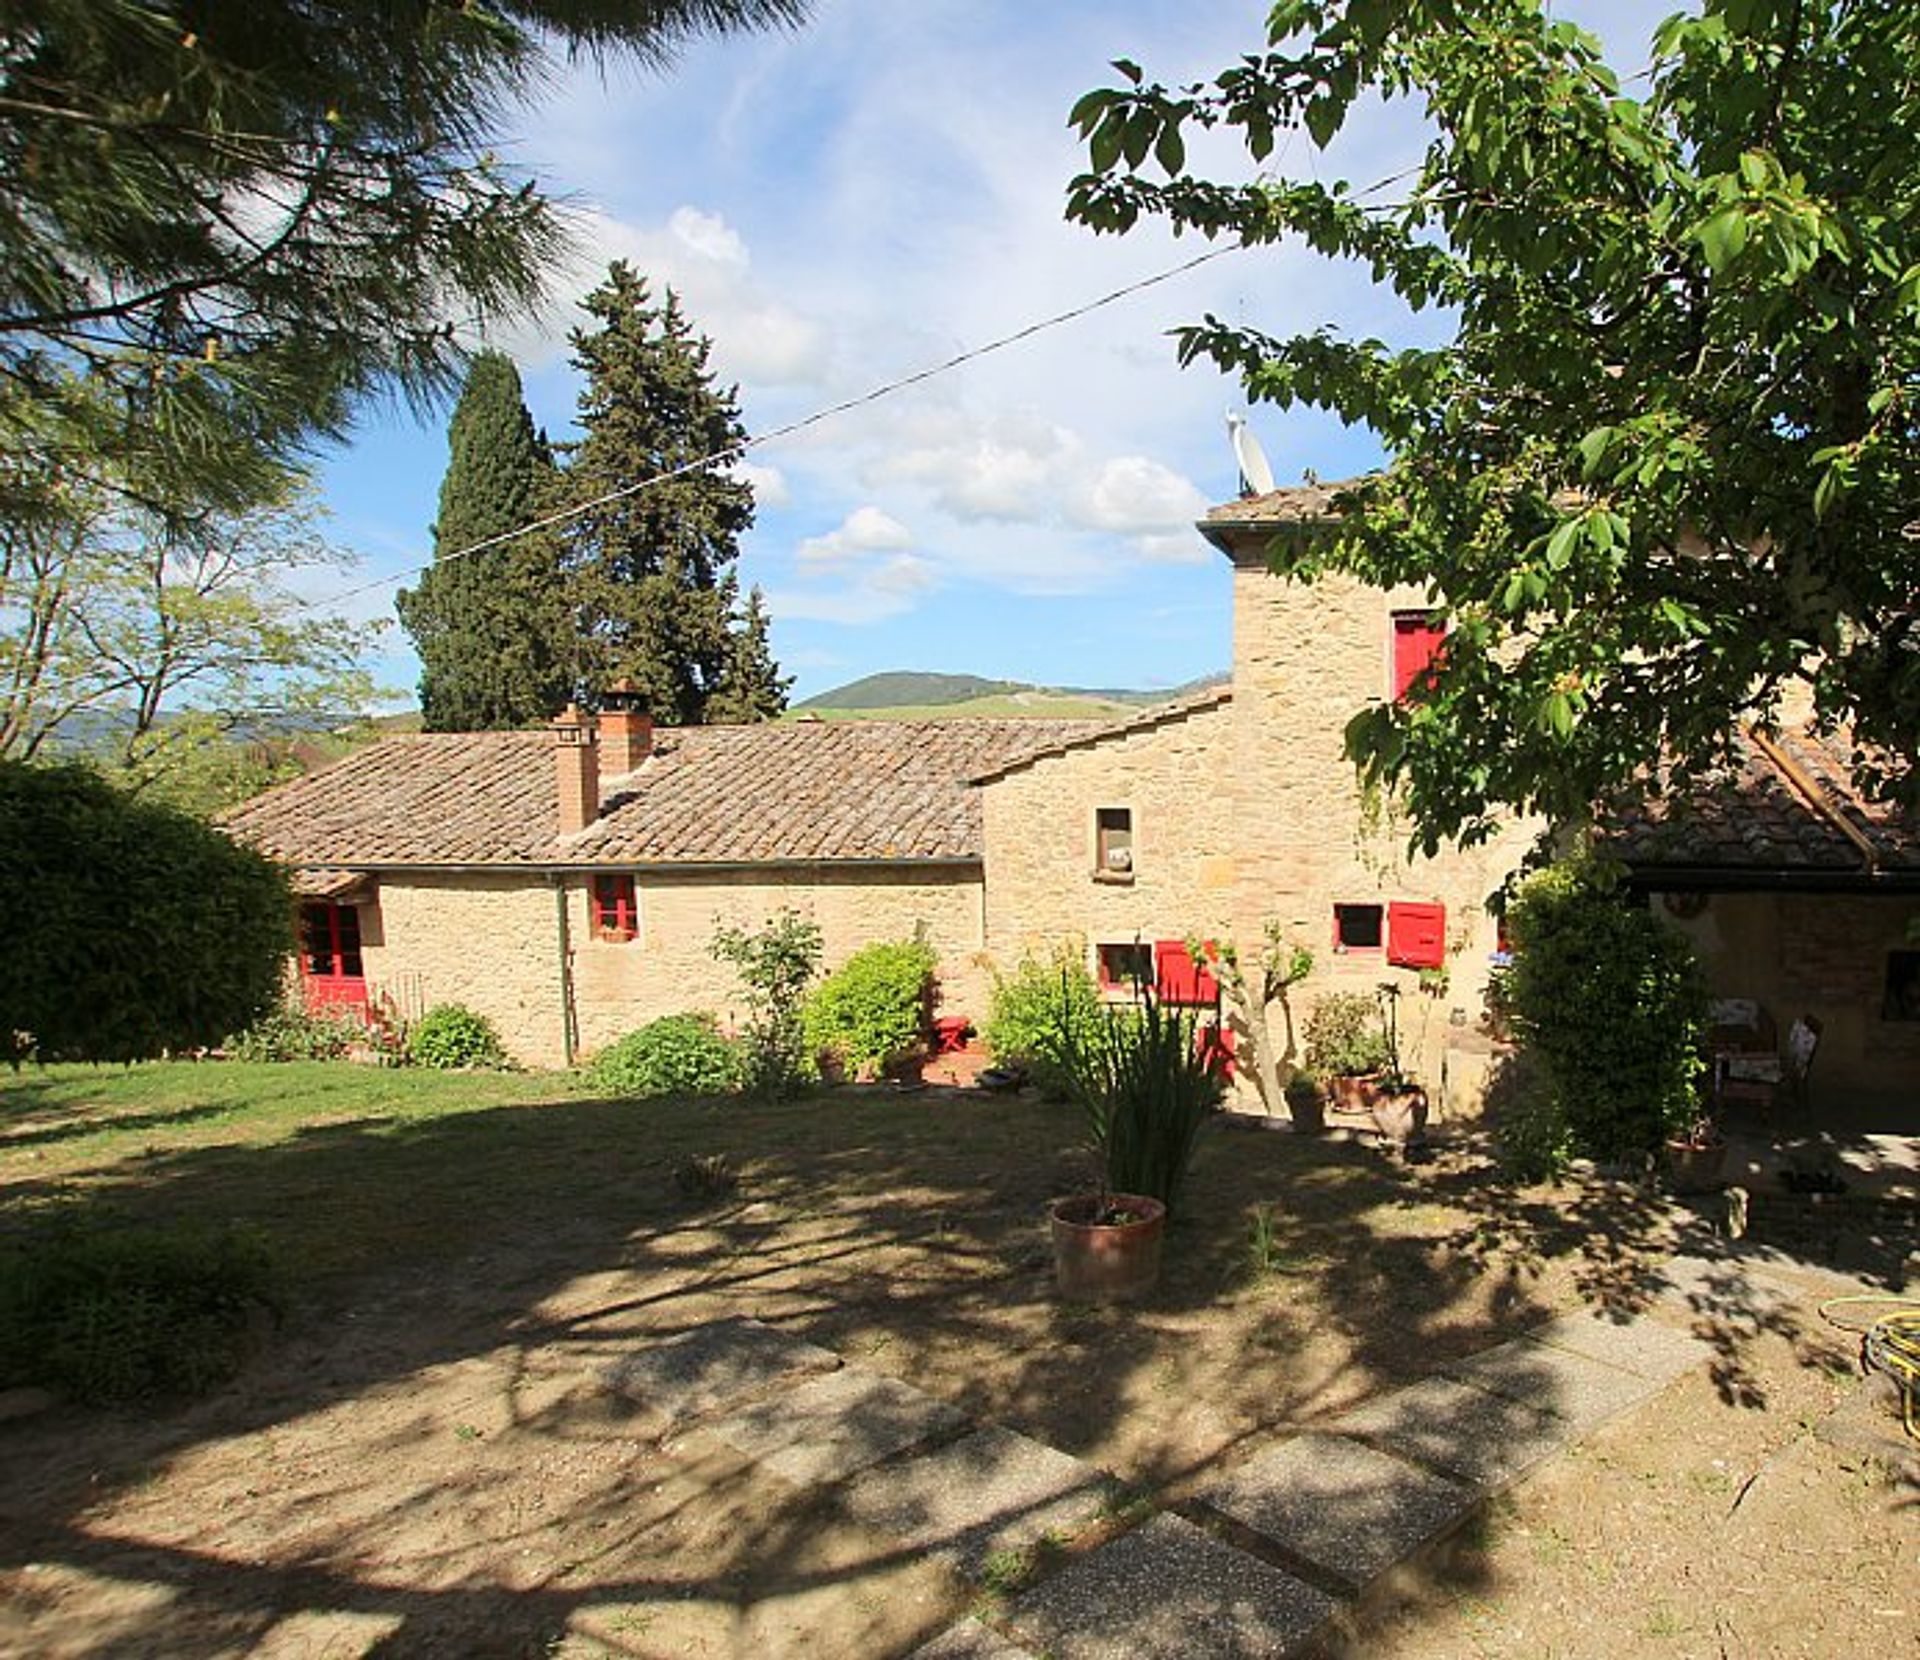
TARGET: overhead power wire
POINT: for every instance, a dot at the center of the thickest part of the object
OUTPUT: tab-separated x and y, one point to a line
736	451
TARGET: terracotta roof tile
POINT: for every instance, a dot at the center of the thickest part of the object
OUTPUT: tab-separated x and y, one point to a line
718	794
1294	504
1751	814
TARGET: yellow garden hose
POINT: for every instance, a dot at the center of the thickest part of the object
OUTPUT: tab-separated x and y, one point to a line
1888	1342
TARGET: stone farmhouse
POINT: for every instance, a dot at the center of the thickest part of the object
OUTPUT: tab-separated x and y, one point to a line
567	882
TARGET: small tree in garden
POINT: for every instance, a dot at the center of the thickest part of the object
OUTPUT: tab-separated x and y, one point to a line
132	929
1613	1004
775	965
1252	992
874	1007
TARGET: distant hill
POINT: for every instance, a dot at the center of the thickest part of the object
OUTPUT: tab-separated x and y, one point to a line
909	694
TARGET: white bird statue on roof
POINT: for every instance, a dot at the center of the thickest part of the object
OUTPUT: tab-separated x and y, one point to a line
1256	477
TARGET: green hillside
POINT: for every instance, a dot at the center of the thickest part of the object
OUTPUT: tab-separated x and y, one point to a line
896	687
908	694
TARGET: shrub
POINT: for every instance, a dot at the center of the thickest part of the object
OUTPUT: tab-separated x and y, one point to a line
293	1034
132	929
681	1054
111	1316
775	966
451	1036
1344	1037
1612	1003
1032	1011
1145	1085
874	1006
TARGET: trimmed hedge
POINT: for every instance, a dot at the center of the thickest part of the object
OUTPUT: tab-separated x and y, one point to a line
679	1054
874	1006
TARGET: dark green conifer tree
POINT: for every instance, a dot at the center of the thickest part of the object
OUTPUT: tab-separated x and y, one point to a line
492	627
751	685
651	571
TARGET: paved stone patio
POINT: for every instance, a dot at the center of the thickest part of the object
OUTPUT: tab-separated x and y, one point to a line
1341	1505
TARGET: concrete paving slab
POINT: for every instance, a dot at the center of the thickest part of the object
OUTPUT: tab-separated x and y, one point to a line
1340	1504
972	1641
1584	1391
715	1367
1642	1346
991	1491
1485	1439
1169	1589
833	1426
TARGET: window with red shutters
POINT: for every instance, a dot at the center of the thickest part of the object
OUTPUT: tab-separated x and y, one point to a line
1357	927
330	942
1123	967
616	909
1416	934
1417	640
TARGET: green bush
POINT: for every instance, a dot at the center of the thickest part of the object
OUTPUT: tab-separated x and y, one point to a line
874	1006
1612	1003
681	1054
451	1036
1032	1011
132	929
1145	1085
292	1034
111	1316
775	964
1344	1036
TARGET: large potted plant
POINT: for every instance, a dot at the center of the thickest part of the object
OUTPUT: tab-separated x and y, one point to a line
1347	1048
1144	1085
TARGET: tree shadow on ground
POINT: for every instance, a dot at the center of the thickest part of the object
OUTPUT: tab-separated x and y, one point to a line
425	1455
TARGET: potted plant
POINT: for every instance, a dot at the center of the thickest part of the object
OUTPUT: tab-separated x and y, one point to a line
1396	1101
1144	1085
1347	1048
1696	1155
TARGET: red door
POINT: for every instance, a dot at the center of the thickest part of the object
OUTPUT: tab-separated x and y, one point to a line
331	973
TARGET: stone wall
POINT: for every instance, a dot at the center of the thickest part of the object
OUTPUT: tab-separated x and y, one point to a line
1042	885
493	943
1306	659
1824	955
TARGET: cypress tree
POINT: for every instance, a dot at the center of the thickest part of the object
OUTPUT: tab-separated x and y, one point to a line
491	627
652	571
751	685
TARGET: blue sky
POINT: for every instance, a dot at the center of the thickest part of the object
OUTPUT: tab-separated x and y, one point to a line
869	195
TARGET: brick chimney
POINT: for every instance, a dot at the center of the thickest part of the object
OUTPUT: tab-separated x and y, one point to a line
576	769
626	727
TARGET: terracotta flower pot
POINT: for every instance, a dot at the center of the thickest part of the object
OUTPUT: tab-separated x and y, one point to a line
1354	1092
1696	1166
1106	1246
1400	1115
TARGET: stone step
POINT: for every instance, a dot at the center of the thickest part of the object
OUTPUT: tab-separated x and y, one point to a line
1346	1508
991	1491
1169	1589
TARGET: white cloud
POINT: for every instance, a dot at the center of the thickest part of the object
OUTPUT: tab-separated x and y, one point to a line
1135	495
769	484
873	592
867	530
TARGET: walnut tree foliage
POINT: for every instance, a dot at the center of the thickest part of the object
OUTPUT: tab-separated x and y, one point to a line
133	929
224	221
650	553
491	626
1667	462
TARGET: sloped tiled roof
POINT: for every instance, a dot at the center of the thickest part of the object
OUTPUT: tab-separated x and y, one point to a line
1294	504
871	790
1754	814
1194	703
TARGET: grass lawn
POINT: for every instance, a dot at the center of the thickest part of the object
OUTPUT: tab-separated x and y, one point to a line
425	1450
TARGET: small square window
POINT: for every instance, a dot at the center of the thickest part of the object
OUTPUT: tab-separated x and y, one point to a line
1125	967
1357	927
616	908
1113	841
1902	998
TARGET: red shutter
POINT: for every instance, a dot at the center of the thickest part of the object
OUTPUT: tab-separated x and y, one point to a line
1416	643
1416	934
1179	979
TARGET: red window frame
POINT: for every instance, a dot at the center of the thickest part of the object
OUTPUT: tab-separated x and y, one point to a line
616	908
1418	639
330	942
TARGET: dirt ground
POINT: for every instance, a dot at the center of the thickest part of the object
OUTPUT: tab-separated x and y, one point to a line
423	1462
